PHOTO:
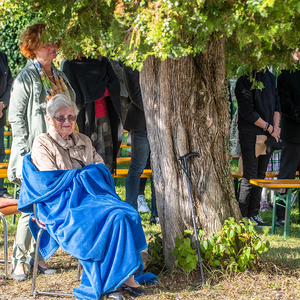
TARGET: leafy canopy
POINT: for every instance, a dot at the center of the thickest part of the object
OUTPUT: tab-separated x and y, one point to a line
256	32
14	18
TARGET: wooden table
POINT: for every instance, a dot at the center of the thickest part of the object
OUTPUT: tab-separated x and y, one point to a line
288	184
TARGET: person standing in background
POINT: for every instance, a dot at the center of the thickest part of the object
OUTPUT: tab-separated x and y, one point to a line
135	122
5	86
97	91
289	93
118	69
258	120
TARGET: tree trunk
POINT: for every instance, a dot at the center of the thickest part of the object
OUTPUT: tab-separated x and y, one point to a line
187	110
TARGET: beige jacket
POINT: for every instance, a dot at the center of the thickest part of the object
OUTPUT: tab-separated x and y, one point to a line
51	152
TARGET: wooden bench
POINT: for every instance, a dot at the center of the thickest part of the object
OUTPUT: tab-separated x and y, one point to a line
122	173
3	173
121	160
271	174
124	145
288	184
238	174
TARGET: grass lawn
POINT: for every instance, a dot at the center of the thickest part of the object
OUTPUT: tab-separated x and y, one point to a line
278	276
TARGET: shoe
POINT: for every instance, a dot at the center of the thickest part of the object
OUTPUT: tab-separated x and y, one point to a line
116	295
133	291
259	221
279	222
264	206
142	204
20	277
154	220
7	195
30	264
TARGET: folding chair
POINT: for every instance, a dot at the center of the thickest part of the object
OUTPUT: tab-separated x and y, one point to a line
6	211
34	292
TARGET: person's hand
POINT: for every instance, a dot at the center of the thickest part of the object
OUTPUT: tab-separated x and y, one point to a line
277	131
274	131
1	109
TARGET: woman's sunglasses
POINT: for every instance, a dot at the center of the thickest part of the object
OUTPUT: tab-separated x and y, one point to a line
62	119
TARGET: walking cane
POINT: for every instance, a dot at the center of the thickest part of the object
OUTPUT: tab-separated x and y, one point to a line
185	168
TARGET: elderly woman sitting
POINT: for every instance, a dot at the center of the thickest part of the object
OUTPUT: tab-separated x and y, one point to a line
77	202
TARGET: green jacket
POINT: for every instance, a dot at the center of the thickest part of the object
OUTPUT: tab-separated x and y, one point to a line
27	116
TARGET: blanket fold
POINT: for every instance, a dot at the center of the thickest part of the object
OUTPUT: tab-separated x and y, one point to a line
84	215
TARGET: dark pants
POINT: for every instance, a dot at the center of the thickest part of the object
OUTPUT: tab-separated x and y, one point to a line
140	150
289	164
253	168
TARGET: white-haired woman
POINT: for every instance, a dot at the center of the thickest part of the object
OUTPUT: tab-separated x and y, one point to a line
62	148
78	204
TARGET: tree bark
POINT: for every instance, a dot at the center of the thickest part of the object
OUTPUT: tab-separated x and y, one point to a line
187	110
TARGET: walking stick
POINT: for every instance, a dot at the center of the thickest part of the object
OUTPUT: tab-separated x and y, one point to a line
185	168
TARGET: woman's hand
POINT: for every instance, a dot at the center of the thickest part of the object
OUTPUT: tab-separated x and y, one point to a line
274	131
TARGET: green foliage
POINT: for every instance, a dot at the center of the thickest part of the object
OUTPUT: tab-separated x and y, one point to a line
256	84
155	250
256	33
15	16
235	248
186	256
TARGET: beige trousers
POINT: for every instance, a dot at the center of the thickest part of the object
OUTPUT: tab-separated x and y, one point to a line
23	241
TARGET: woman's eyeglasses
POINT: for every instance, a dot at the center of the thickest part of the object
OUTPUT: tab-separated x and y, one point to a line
62	119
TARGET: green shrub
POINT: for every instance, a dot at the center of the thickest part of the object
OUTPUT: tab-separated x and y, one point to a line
13	21
235	248
155	250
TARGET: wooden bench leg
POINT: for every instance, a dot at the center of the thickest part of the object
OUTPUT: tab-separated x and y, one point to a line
274	212
287	213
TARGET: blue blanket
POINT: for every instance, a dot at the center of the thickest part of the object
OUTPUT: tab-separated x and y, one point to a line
84	216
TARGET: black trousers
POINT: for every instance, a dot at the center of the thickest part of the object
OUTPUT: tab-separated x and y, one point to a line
289	164
253	168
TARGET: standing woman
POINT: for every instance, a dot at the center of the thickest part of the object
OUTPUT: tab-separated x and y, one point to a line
36	84
258	120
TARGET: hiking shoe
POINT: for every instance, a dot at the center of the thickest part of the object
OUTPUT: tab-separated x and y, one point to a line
264	206
259	222
142	204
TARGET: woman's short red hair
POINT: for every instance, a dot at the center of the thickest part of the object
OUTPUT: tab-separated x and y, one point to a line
30	39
